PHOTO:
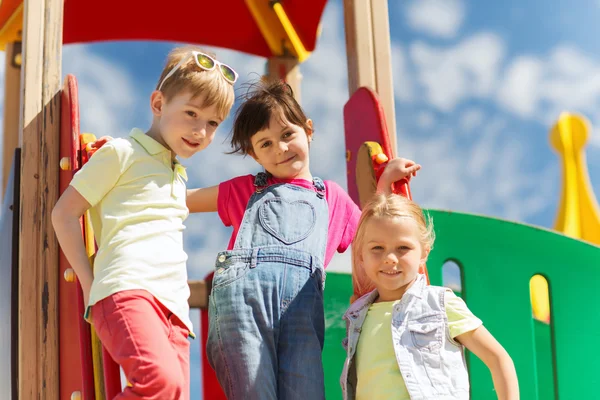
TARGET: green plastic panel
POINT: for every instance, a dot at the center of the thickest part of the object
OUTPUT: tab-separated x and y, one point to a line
497	259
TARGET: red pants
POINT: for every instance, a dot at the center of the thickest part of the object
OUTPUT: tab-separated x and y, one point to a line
148	341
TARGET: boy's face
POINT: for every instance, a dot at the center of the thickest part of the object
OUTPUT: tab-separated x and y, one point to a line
186	126
283	148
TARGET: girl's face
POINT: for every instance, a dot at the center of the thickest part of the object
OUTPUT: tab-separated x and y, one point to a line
391	255
283	148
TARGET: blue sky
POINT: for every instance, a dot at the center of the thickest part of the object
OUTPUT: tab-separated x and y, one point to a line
477	86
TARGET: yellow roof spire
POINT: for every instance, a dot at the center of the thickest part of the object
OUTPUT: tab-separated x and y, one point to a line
578	212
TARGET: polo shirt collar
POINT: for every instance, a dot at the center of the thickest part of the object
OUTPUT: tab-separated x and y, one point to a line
149	144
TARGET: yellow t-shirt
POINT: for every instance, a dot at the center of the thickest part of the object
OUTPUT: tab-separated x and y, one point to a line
378	375
138	198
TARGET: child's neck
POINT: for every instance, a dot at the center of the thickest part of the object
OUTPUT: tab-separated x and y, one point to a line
154	133
303	175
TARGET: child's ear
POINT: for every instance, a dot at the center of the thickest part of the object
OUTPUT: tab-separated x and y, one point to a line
253	155
425	255
310	131
157	100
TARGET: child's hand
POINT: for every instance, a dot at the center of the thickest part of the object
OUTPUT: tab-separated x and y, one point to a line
94	146
396	169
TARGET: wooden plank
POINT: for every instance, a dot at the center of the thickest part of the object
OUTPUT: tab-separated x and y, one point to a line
12	96
199	294
383	65
29	237
359	45
50	150
14	310
288	69
38	259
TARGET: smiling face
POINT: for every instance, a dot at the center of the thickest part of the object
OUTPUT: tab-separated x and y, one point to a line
391	255
282	148
185	125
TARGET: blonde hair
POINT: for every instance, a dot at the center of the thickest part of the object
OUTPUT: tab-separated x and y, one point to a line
386	206
189	77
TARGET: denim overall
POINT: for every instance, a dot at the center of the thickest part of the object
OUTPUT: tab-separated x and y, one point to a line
267	327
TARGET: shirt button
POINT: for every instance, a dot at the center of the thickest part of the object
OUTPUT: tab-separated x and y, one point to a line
222	258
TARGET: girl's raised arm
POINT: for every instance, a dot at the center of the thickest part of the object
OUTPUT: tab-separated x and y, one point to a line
202	200
481	343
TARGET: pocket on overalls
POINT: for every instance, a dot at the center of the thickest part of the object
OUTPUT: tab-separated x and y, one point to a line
225	275
288	222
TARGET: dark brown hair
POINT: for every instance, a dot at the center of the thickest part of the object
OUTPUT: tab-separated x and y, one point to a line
262	100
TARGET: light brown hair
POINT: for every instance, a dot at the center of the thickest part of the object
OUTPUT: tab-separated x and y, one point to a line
210	85
386	206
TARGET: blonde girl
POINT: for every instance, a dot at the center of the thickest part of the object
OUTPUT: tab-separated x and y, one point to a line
406	339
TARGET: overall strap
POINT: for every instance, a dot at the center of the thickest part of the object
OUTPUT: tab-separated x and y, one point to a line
319	186
261	181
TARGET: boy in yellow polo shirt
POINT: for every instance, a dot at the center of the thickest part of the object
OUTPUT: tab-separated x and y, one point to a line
137	294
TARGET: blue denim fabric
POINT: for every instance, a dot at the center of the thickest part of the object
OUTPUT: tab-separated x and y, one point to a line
267	328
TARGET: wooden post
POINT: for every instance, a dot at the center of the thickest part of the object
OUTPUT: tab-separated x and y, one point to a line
383	64
368	51
38	259
199	291
288	69
359	45
12	97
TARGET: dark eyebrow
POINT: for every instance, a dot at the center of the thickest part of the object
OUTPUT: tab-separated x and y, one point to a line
262	140
285	128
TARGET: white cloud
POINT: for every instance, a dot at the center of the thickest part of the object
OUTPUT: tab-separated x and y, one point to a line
487	177
425	119
439	18
470	120
107	97
467	70
536	88
518	93
540	88
403	81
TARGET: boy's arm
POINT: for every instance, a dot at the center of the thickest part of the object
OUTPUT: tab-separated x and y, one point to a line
395	170
481	343
65	219
87	188
202	200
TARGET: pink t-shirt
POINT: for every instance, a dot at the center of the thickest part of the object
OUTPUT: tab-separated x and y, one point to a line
344	214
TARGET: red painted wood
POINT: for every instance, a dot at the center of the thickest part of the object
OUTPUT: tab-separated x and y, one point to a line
75	356
364	121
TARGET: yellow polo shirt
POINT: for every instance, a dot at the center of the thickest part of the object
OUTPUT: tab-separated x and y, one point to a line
138	198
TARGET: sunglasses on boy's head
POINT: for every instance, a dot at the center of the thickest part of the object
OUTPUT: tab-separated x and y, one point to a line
207	63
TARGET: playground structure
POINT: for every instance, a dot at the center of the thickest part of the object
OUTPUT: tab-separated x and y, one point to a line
55	354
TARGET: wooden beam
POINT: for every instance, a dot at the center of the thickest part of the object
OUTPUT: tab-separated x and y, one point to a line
12	97
383	65
359	45
368	52
288	69
199	294
38	259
